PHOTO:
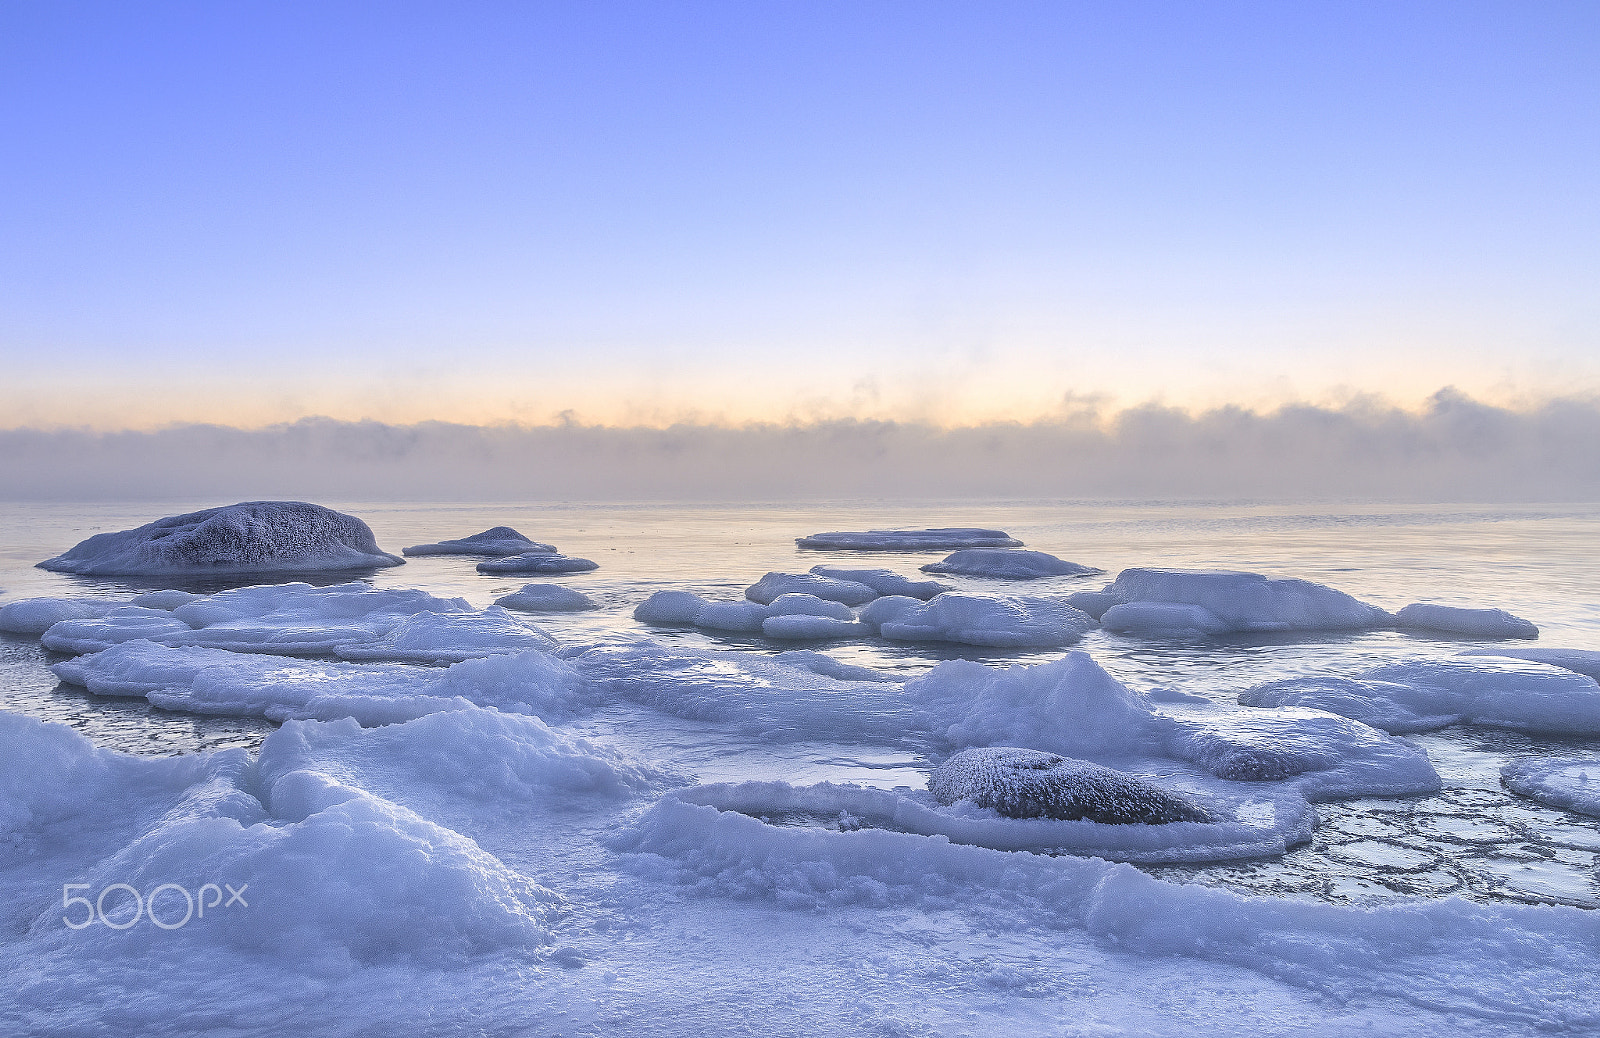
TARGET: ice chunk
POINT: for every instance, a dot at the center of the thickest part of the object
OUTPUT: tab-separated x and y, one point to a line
846	592
946	539
1218	601
164	599
1581	661
996	621
883	581
37	615
1474	623
547	598
1020	783
800	604
253	537
1424	695
117	625
805	625
216	681
669	607
536	562
1568	783
790	615
450	638
734	617
498	542
1007	564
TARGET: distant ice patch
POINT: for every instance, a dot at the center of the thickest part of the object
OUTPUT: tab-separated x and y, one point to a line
1167	602
883	581
1007	564
1473	623
498	542
947	539
536	563
547	598
845	592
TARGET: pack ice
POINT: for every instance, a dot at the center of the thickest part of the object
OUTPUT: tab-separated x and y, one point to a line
1007	564
498	542
993	621
547	598
883	581
252	537
1167	602
947	539
536	563
789	615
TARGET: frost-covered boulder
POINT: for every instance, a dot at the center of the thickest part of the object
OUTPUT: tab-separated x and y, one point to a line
498	542
996	621
1425	695
1572	784
884	582
1021	783
1472	623
845	592
253	537
946	539
38	615
536	563
1162	602
1007	564
547	598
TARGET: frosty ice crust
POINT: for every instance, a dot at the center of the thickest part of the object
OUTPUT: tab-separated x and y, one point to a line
1570	784
1473	623
1164	602
547	598
1007	564
883	581
536	562
252	537
992	621
1019	783
498	542
947	539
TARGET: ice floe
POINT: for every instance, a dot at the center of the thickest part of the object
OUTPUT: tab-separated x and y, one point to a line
1473	623
846	592
37	615
883	581
788	615
450	638
1007	564
1425	695
252	537
498	541
1168	602
1020	783
946	539
536	563
993	621
1581	661
1567	783
547	598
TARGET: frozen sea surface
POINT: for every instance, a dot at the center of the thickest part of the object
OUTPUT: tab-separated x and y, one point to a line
707	844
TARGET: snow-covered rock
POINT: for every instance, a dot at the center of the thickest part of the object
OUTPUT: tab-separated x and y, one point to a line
1021	783
884	582
1425	695
1163	602
498	542
1473	623
846	592
252	537
536	563
1007	564
946	539
996	621
1572	784
547	598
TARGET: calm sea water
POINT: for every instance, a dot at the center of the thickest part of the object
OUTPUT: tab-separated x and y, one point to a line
1473	838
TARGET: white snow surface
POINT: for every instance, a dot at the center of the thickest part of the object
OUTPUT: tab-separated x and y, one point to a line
251	537
536	563
497	542
1474	623
845	592
791	615
1425	695
1572	784
1164	602
1007	564
547	598
943	539
995	621
883	581
37	615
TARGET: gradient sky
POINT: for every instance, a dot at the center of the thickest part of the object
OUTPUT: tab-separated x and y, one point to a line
250	212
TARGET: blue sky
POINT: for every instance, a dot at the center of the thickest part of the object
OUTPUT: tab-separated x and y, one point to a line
642	212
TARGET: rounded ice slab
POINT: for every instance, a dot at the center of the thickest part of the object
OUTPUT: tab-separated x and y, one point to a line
1473	623
536	563
1425	695
793	615
993	621
252	537
845	592
947	539
1570	784
1019	783
547	598
1167	602
884	582
498	541
1007	564
38	615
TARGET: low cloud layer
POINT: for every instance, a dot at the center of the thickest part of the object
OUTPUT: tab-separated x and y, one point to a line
1454	450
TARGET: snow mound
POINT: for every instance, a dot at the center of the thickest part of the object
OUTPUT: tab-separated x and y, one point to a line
547	598
1581	661
275	618
994	621
253	537
1019	783
1007	564
947	539
38	615
216	681
1570	784
450	638
1425	695
845	592
1474	623
1162	602
536	563
498	541
883	581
